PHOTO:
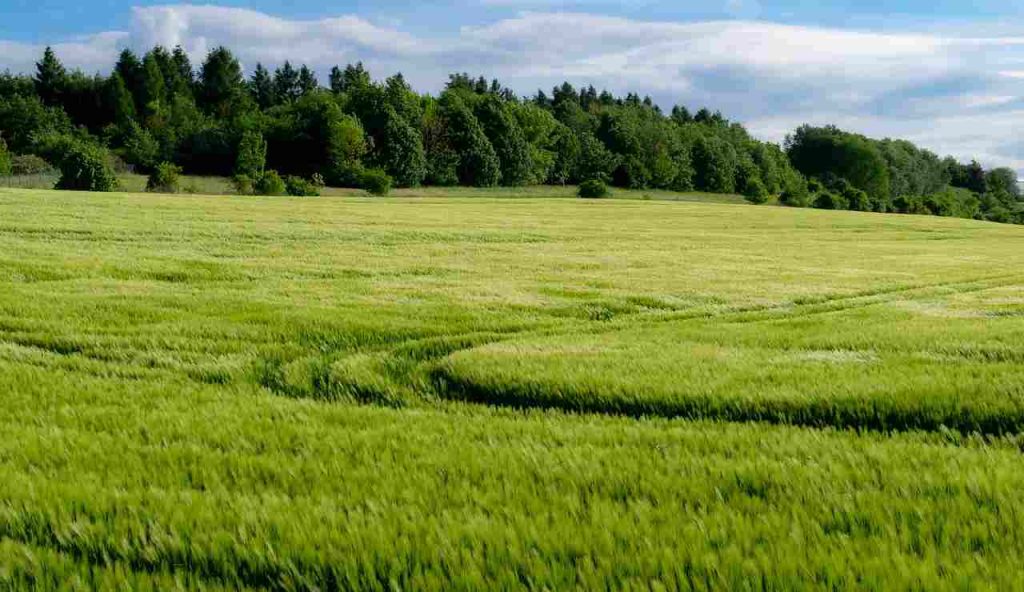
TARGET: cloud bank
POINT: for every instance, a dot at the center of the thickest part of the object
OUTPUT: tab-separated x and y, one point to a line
954	92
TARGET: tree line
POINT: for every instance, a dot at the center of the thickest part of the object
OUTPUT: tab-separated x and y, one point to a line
159	114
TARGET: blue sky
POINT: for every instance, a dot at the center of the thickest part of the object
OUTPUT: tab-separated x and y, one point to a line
946	74
29	20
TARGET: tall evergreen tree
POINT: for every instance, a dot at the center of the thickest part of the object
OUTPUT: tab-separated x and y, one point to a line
154	89
354	77
286	83
261	87
337	80
119	103
51	78
174	82
307	81
185	78
130	69
220	83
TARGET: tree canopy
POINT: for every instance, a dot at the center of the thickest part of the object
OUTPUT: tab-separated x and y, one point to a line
157	108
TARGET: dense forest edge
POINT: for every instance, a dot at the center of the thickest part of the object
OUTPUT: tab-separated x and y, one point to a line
282	132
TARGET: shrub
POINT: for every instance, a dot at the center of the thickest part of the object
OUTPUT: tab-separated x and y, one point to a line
164	178
910	204
593	189
84	168
300	187
755	191
243	184
140	148
857	199
345	175
30	164
376	182
5	159
270	183
827	200
252	155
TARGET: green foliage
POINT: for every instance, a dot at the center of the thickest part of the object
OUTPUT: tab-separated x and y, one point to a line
594	160
567	149
51	78
269	183
1003	181
154	88
30	164
715	165
129	69
795	192
827	199
286	83
140	148
243	184
593	189
84	167
164	178
221	86
300	187
24	120
755	191
6	167
401	152
477	163
819	151
261	88
120	104
442	159
312	135
376	182
510	146
476	132
967	176
252	155
952	201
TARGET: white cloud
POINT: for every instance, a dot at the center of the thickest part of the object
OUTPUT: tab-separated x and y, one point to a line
953	91
89	53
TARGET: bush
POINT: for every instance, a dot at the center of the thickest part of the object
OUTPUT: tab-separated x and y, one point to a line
270	183
910	204
376	182
755	191
300	187
827	200
140	148
858	200
344	175
5	159
593	189
30	164
252	155
164	178
243	184
84	168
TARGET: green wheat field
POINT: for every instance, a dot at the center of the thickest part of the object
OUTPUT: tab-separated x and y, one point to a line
453	392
